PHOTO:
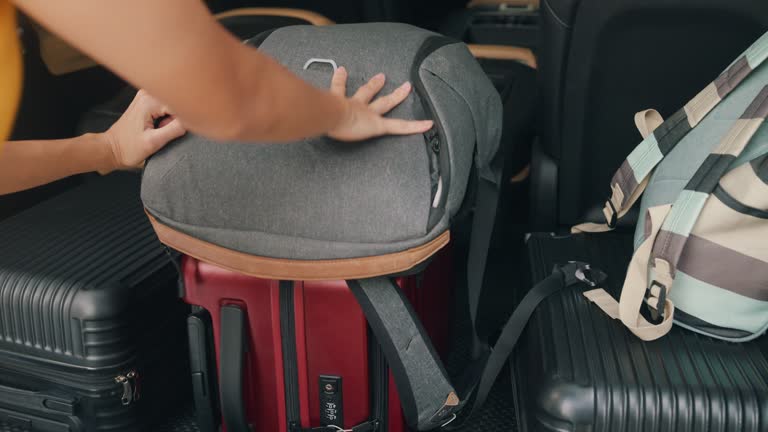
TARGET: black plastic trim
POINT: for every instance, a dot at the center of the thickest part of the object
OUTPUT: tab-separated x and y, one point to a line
51	403
379	382
203	370
233	348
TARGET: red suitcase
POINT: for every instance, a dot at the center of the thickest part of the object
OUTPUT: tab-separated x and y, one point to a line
299	355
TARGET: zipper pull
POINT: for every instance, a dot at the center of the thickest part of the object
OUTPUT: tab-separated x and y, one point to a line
133	376
434	141
127	396
130	387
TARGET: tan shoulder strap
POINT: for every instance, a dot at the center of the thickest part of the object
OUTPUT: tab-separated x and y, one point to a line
634	291
647	121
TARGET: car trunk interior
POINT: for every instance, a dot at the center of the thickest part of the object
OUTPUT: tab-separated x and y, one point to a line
552	63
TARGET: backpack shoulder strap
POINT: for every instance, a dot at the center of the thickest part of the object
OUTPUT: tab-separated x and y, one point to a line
631	179
428	398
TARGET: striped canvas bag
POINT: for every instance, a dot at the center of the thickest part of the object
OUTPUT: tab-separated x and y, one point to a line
701	255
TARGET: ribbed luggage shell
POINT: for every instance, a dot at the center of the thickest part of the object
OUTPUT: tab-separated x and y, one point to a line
579	370
64	269
87	293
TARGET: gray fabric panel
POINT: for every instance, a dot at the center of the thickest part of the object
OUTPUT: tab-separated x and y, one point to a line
363	49
674	172
456	66
429	386
320	199
317	189
316	195
455	115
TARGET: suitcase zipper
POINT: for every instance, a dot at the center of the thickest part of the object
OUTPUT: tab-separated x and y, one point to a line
290	366
130	385
127	383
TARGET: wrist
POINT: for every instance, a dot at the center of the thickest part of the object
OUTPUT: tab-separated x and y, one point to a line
102	148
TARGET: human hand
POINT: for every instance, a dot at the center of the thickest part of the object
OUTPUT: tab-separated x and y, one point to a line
133	138
364	117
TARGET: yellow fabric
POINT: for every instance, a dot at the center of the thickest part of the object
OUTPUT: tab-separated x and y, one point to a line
10	69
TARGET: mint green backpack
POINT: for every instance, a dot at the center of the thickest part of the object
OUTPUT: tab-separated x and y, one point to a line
701	243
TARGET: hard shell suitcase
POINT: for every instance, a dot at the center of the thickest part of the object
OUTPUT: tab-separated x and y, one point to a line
92	334
577	369
295	355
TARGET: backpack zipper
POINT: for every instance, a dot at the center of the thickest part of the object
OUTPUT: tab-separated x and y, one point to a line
432	140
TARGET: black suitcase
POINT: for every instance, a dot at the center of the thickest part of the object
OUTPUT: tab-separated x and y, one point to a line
92	332
578	370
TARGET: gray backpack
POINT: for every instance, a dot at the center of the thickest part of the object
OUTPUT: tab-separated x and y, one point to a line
701	244
321	209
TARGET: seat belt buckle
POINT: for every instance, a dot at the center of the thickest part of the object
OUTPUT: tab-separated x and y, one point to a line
584	273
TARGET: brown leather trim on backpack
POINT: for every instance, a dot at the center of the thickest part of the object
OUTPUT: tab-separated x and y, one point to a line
308	16
287	269
503	52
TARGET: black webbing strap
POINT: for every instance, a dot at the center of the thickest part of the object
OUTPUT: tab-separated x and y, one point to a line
486	205
562	277
419	375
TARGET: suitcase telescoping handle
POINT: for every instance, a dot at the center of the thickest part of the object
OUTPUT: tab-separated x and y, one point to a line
233	348
41	401
203	365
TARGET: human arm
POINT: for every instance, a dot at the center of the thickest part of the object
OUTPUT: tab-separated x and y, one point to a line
216	85
133	138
